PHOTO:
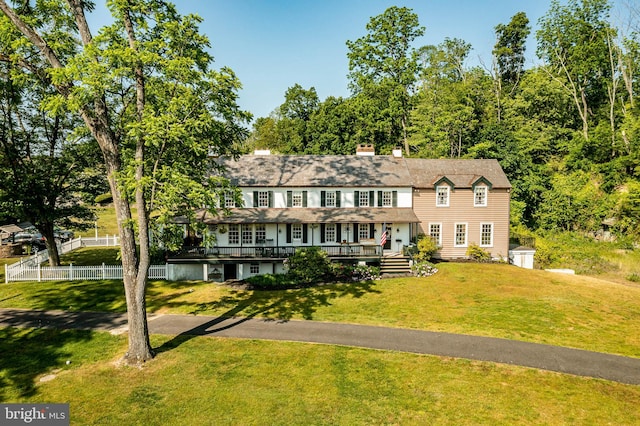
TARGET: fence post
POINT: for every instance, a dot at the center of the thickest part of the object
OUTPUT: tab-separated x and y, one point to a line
39	273
103	270
6	274
71	272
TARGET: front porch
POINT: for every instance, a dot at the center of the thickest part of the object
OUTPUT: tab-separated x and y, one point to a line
356	251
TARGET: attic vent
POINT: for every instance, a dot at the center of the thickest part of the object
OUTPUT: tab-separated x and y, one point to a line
365	149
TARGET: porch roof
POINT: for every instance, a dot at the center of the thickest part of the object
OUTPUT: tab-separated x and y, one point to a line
312	215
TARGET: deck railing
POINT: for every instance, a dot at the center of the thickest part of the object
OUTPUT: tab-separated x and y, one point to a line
279	252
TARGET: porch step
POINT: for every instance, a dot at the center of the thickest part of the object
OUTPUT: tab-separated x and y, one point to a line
395	265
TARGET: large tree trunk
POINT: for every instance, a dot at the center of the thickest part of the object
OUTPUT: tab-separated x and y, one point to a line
96	117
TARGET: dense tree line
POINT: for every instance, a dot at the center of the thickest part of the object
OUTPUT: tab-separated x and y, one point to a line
567	132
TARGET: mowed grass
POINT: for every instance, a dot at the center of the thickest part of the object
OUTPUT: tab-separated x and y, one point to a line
223	381
479	299
209	380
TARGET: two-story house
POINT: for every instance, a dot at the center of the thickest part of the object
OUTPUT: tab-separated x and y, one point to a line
356	208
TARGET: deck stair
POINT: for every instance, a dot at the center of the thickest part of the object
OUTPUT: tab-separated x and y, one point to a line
394	264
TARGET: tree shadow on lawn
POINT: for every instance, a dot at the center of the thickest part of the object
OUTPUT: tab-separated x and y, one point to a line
29	353
281	305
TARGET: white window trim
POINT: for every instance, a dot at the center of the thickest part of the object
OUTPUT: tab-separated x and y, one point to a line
296	199
363	231
263	199
229	200
492	232
439	242
362	197
237	234
448	189
326	199
486	196
294	231
387	199
466	234
330	228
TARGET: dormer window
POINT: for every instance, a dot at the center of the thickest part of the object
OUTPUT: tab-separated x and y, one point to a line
442	196
480	196
481	188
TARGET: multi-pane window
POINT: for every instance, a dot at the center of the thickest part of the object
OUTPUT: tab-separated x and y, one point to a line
261	233
296	199
229	200
364	199
330	199
330	232
442	196
254	268
387	198
461	235
263	199
247	234
435	233
234	234
486	234
296	231
480	196
363	231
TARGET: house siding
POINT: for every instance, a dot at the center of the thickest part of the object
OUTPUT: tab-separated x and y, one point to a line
462	210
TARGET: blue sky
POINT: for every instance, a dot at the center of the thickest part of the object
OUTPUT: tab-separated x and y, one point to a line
273	44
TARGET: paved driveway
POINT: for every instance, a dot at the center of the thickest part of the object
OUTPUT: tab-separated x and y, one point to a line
545	357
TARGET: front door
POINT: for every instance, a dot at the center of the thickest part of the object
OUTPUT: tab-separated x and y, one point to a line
387	244
230	272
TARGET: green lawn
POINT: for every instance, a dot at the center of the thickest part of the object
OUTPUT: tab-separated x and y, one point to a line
480	299
221	381
202	380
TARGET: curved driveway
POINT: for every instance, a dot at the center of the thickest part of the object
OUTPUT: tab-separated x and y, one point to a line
545	357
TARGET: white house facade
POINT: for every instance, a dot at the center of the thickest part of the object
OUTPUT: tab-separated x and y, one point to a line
358	208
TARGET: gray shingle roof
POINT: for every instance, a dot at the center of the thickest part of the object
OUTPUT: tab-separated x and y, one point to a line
462	173
312	215
358	171
316	171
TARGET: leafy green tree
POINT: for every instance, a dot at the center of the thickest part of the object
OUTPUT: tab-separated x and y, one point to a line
510	48
332	128
572	41
447	105
383	67
146	92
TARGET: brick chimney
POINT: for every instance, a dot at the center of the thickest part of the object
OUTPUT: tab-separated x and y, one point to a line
365	149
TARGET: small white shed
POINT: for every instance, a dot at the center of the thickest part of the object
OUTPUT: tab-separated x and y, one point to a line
522	256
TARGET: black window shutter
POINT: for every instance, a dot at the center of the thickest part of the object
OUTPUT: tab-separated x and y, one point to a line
356	231
304	198
372	198
338	232
270	198
323	195
372	230
356	198
394	194
338	194
379	198
305	231
289	233
255	198
322	240
289	198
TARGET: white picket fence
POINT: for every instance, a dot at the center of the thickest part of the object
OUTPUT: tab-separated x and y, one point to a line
30	269
69	273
